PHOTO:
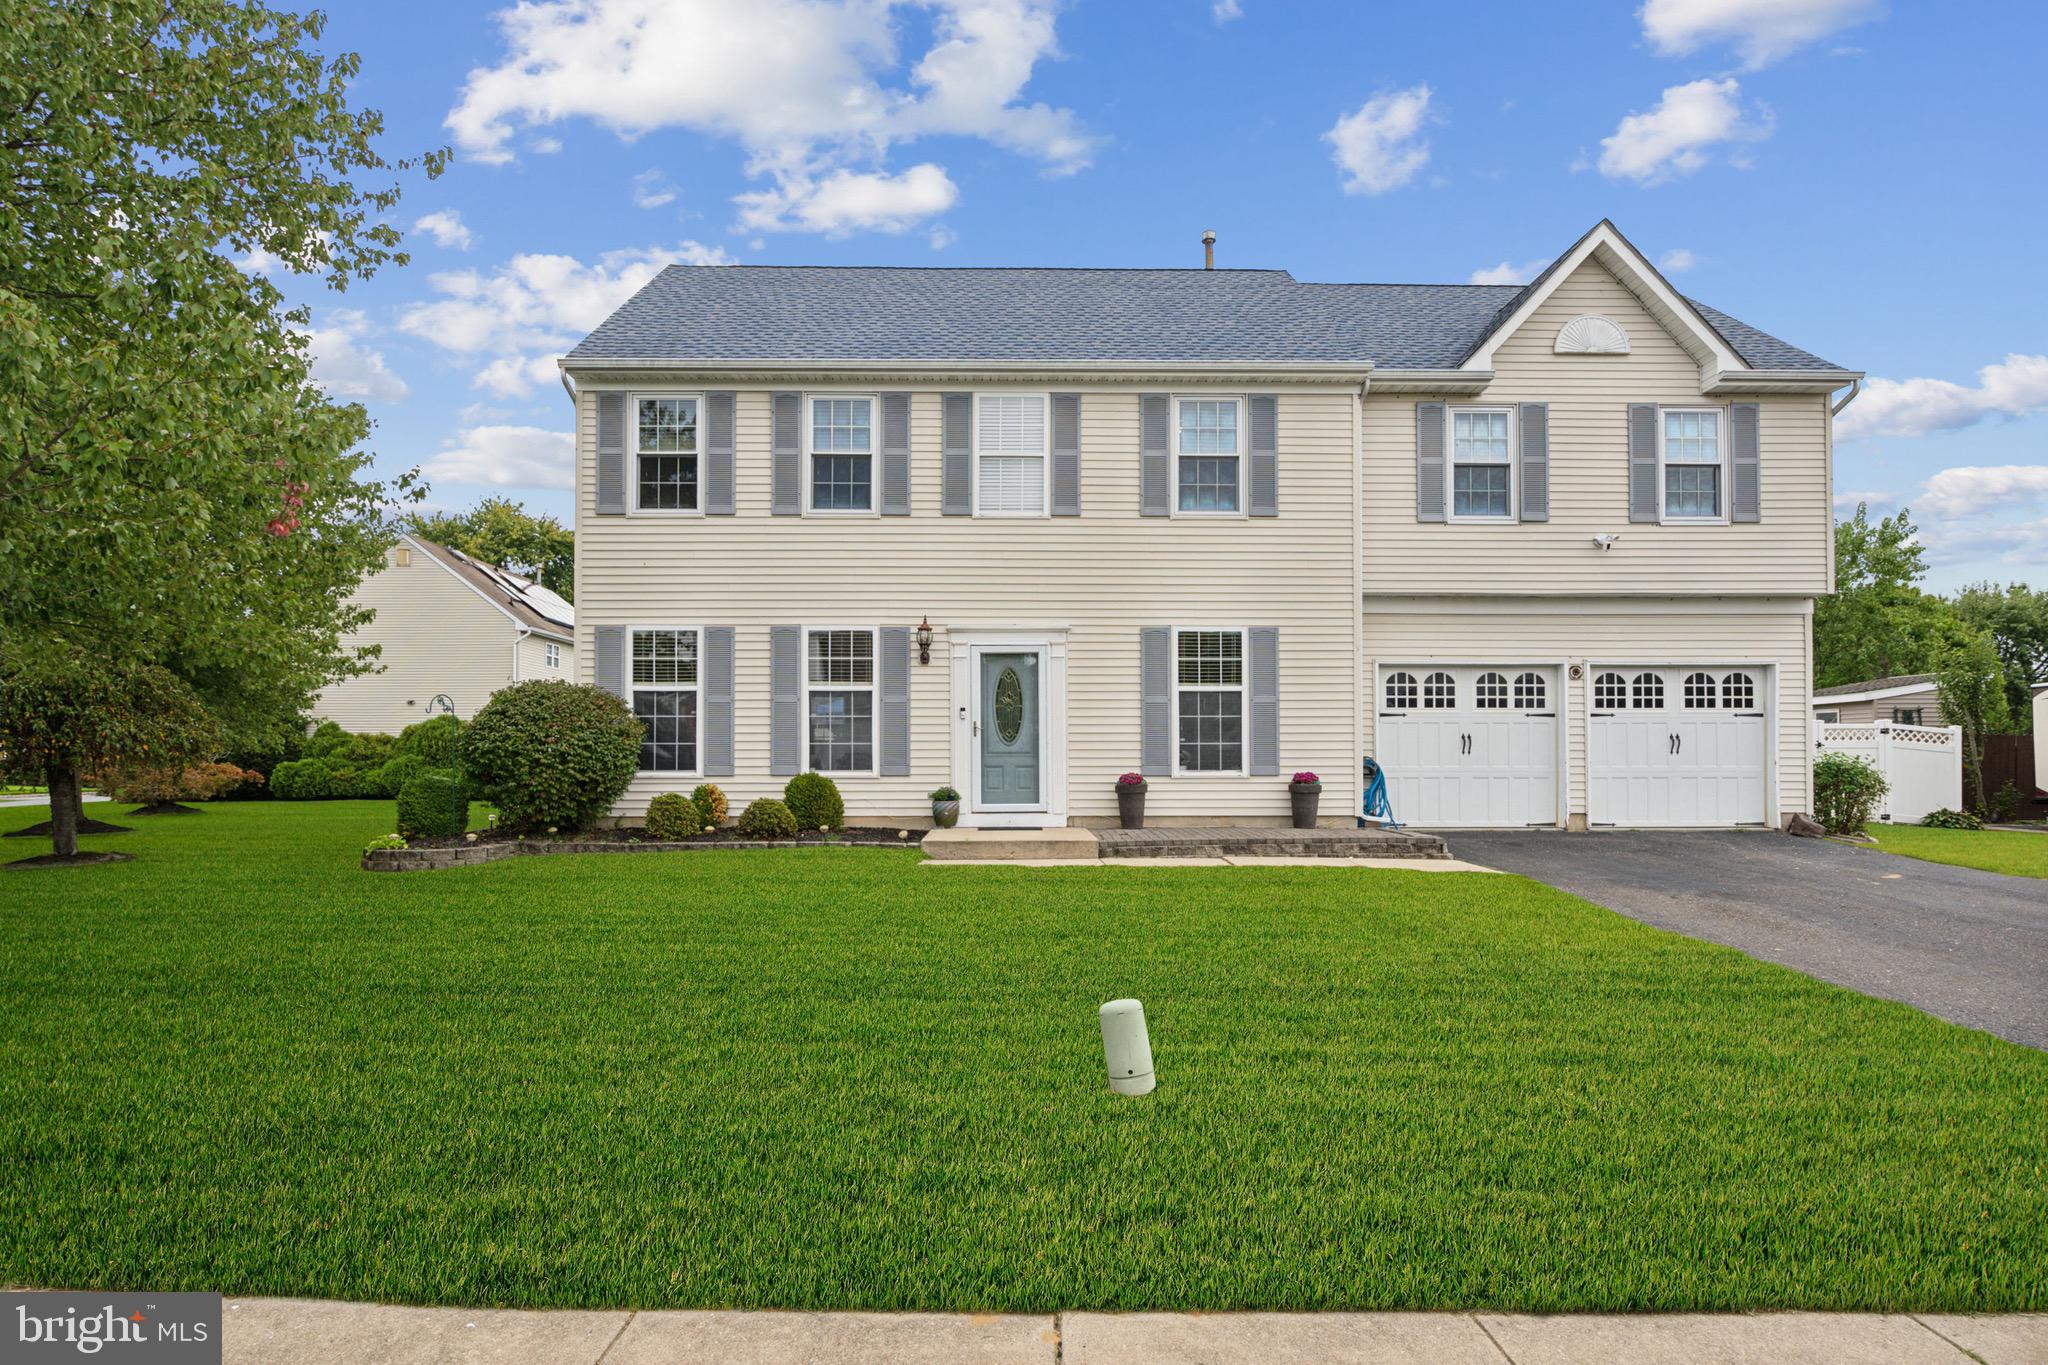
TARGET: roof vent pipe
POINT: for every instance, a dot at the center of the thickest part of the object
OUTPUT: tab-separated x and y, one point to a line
1209	250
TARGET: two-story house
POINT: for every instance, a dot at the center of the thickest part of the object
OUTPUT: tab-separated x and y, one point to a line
1548	553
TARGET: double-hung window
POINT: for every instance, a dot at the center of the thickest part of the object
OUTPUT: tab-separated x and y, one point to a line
551	655
1482	475
1208	454
1209	700
1010	438
839	700
842	453
664	688
665	454
1694	475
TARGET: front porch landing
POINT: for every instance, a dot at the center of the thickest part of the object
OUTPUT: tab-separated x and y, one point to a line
1177	842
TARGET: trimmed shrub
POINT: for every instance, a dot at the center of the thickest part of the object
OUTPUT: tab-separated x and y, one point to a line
551	754
327	738
767	818
814	801
304	779
2005	803
365	753
1951	819
386	782
430	807
710	802
430	741
262	759
673	815
162	786
1846	790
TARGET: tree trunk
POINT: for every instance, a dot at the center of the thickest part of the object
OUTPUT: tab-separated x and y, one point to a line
1973	752
66	809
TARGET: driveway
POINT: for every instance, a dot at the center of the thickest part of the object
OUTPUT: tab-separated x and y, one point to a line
1969	946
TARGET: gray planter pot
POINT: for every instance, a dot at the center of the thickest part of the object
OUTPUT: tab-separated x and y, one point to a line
1305	796
945	814
1130	805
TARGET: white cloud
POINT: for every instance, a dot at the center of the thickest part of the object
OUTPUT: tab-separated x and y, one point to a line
1761	30
1508	273
846	201
1379	146
651	189
1848	499
2014	387
810	88
1677	261
346	368
515	457
1974	488
256	261
1673	139
2023	542
942	237
533	303
446	227
1223	11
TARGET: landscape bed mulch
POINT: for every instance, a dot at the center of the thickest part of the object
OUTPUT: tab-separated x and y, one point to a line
892	836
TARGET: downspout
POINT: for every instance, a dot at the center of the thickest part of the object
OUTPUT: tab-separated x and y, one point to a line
518	640
1855	387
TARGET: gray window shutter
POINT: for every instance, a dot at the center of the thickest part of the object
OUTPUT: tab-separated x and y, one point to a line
1066	454
1155	691
1155	463
786	446
1535	472
718	452
714	719
1429	461
893	672
785	700
611	454
610	644
1263	419
895	454
1745	494
956	444
1642	462
1264	648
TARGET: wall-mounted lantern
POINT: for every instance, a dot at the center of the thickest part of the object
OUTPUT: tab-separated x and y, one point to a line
924	640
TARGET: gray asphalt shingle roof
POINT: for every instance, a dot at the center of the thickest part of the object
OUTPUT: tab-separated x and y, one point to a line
1874	684
885	313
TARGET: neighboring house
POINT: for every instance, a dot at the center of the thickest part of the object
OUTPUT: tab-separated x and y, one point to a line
452	626
1548	552
1908	699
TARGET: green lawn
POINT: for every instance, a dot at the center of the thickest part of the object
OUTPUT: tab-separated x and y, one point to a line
2014	853
829	1078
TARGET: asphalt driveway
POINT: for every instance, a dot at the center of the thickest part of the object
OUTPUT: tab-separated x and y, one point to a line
1969	946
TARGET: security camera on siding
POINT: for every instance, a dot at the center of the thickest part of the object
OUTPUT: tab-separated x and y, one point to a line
1606	542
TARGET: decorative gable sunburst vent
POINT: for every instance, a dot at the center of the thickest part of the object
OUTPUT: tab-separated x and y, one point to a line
1592	334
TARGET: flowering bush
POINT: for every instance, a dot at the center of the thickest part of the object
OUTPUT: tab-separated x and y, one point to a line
1306	779
1131	780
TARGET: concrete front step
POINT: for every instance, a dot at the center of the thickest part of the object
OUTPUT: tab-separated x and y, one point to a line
1006	845
1251	841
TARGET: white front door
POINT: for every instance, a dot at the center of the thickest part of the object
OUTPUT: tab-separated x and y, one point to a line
1469	744
1678	746
1009	727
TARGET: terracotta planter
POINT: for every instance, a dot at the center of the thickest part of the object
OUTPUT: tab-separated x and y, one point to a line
1130	805
1305	796
945	814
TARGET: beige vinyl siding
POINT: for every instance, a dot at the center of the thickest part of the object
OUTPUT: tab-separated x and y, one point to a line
438	636
1104	575
1612	631
533	660
1864	712
1787	553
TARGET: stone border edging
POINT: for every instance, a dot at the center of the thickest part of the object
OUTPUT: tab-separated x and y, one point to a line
475	855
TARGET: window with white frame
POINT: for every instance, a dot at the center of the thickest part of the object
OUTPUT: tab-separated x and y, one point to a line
1610	691
551	655
1482	476
1402	692
839	700
1490	692
1208	454
1010	454
1530	692
842	455
1694	482
1209	700
665	454
1439	692
664	685
1829	715
1648	691
1738	692
1700	692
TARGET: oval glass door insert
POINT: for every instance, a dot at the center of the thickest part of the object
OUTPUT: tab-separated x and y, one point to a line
1009	705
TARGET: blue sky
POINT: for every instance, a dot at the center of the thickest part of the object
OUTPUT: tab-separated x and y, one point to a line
1859	178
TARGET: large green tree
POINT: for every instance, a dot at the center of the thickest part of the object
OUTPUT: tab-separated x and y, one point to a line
1970	685
1879	623
2016	618
174	490
499	531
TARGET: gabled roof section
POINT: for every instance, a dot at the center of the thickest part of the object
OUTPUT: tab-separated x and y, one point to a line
525	601
1873	689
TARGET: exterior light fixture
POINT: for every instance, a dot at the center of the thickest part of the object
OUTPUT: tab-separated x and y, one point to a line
1126	1047
924	640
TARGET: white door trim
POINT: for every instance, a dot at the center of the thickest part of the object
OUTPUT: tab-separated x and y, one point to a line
1770	671
1050	643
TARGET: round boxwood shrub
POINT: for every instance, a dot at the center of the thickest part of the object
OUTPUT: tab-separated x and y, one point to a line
1846	790
673	815
814	801
767	818
431	741
710	802
430	807
386	782
551	755
303	779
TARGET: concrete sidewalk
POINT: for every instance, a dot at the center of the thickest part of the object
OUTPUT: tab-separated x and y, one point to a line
289	1331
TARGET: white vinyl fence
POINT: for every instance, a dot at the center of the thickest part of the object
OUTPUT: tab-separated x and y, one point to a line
1924	764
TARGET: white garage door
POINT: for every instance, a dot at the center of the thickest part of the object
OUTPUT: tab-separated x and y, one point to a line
1469	745
1677	746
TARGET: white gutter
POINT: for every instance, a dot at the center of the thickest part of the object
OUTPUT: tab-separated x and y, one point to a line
1855	387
